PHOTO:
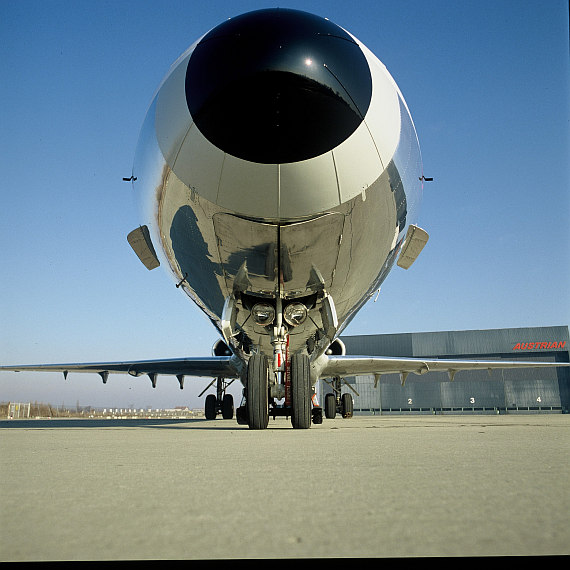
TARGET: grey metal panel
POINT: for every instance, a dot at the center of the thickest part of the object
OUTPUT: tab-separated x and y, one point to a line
412	396
139	240
527	374
394	397
454	343
379	345
532	393
479	342
422	394
368	396
438	343
474	394
531	388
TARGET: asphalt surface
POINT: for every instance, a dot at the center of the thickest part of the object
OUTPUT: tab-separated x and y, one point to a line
376	486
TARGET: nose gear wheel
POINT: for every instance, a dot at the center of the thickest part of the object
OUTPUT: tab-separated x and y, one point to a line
301	392
257	392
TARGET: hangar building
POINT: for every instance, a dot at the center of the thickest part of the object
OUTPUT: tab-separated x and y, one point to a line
499	391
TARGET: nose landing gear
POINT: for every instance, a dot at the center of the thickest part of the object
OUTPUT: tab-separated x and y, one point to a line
298	405
257	392
301	393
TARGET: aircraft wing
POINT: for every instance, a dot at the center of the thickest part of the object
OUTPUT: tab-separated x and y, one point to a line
343	366
216	366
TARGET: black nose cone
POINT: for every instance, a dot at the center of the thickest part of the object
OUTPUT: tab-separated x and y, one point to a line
277	86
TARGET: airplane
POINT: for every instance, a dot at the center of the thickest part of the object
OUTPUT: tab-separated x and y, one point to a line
280	176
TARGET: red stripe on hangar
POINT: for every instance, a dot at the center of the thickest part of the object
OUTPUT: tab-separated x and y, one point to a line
539	345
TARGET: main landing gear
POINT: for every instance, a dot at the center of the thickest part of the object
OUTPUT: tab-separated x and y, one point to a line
337	402
260	404
220	403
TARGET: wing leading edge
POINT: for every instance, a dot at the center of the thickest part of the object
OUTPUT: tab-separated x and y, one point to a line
219	366
326	367
342	366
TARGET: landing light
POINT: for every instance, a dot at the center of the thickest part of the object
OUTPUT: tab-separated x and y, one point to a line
295	314
263	314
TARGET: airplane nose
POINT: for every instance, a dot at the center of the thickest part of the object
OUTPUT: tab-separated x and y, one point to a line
277	86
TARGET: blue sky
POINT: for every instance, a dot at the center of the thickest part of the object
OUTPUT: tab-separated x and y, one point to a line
487	83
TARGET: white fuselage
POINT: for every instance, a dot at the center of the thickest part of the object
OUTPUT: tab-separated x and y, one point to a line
321	229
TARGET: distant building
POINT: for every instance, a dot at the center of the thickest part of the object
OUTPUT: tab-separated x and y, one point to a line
500	391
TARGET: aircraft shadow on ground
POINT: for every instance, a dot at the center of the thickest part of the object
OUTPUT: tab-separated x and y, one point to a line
109	423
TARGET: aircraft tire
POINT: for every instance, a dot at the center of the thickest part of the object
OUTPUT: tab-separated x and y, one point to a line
257	392
330	406
300	392
347	405
210	407
228	407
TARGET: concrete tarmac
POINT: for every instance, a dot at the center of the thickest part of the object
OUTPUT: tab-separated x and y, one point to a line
371	486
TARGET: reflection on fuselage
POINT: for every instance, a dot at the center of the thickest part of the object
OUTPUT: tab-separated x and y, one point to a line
252	200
